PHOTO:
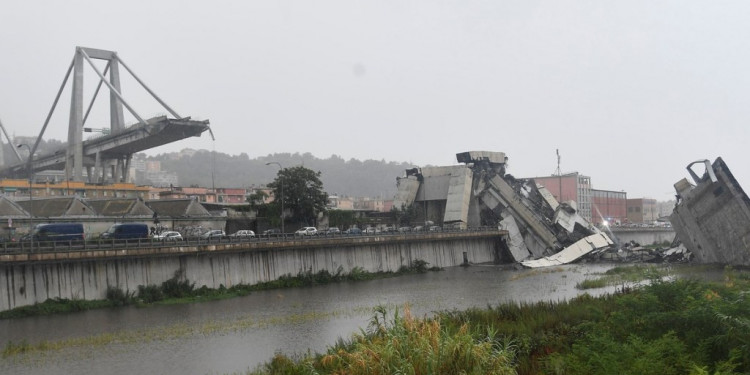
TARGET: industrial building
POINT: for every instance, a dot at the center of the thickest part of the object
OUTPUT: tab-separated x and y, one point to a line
15	189
609	206
642	211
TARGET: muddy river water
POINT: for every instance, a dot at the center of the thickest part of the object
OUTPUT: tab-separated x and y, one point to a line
235	335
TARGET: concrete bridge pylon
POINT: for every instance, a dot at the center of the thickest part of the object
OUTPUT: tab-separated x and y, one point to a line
107	158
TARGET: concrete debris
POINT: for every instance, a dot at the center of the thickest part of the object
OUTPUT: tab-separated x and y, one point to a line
573	252
480	193
712	217
514	240
633	252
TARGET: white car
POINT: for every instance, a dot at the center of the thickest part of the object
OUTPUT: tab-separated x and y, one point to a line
306	231
213	234
169	235
245	233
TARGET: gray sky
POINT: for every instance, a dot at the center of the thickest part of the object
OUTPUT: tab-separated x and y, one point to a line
629	91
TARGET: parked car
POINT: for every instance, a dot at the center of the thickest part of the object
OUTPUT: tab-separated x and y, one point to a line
404	229
353	230
372	230
436	228
213	234
333	231
126	231
244	233
306	231
418	228
273	232
169	235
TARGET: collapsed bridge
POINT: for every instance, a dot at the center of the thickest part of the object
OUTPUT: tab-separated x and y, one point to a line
541	230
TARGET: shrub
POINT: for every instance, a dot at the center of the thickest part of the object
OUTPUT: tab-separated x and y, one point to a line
149	293
119	297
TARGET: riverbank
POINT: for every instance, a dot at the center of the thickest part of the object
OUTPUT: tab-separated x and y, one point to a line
177	290
685	326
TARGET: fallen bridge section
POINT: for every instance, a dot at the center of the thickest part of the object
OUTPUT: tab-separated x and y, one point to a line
573	252
712	217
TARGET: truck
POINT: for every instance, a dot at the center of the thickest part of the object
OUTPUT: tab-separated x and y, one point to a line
58	232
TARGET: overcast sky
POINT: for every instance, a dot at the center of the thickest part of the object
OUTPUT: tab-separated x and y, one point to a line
630	92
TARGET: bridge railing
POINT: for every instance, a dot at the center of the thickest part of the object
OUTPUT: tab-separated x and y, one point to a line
23	247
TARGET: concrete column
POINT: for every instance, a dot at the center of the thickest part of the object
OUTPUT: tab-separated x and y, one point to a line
74	161
112	173
117	120
118	168
126	168
97	168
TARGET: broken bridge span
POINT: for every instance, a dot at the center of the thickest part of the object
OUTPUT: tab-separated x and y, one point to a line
105	158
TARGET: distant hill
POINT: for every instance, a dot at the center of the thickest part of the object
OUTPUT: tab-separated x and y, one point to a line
356	178
351	177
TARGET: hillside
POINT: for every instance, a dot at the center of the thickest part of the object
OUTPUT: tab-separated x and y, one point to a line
343	177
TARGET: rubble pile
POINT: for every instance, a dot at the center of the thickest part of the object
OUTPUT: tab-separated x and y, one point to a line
633	252
541	230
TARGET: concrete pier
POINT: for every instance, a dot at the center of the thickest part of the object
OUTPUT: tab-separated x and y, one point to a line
26	279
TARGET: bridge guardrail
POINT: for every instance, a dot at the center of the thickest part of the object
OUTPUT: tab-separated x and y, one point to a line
27	247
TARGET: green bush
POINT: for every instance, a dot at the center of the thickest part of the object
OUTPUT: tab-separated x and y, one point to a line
150	293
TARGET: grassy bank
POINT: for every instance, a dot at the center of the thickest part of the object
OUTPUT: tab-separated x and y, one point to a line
664	327
178	290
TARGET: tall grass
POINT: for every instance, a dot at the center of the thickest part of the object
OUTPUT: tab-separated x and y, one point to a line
665	327
405	345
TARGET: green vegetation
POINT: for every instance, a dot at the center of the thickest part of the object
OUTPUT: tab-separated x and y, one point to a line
405	346
301	191
178	290
626	276
675	327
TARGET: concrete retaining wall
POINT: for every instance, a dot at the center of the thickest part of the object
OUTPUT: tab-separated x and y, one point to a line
29	282
644	236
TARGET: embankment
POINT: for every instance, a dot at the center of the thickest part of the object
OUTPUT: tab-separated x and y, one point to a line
26	279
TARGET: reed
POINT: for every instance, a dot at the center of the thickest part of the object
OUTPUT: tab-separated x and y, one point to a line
663	327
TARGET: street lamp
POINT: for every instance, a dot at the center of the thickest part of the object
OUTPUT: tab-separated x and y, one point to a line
31	208
281	181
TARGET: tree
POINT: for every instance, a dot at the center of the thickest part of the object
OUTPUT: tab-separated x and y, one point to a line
257	199
406	215
303	193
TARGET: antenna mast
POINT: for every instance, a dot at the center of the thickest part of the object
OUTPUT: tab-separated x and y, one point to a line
559	175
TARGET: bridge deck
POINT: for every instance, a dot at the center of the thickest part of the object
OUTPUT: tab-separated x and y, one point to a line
157	132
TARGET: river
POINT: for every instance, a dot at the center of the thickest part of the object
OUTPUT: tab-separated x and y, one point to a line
235	335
